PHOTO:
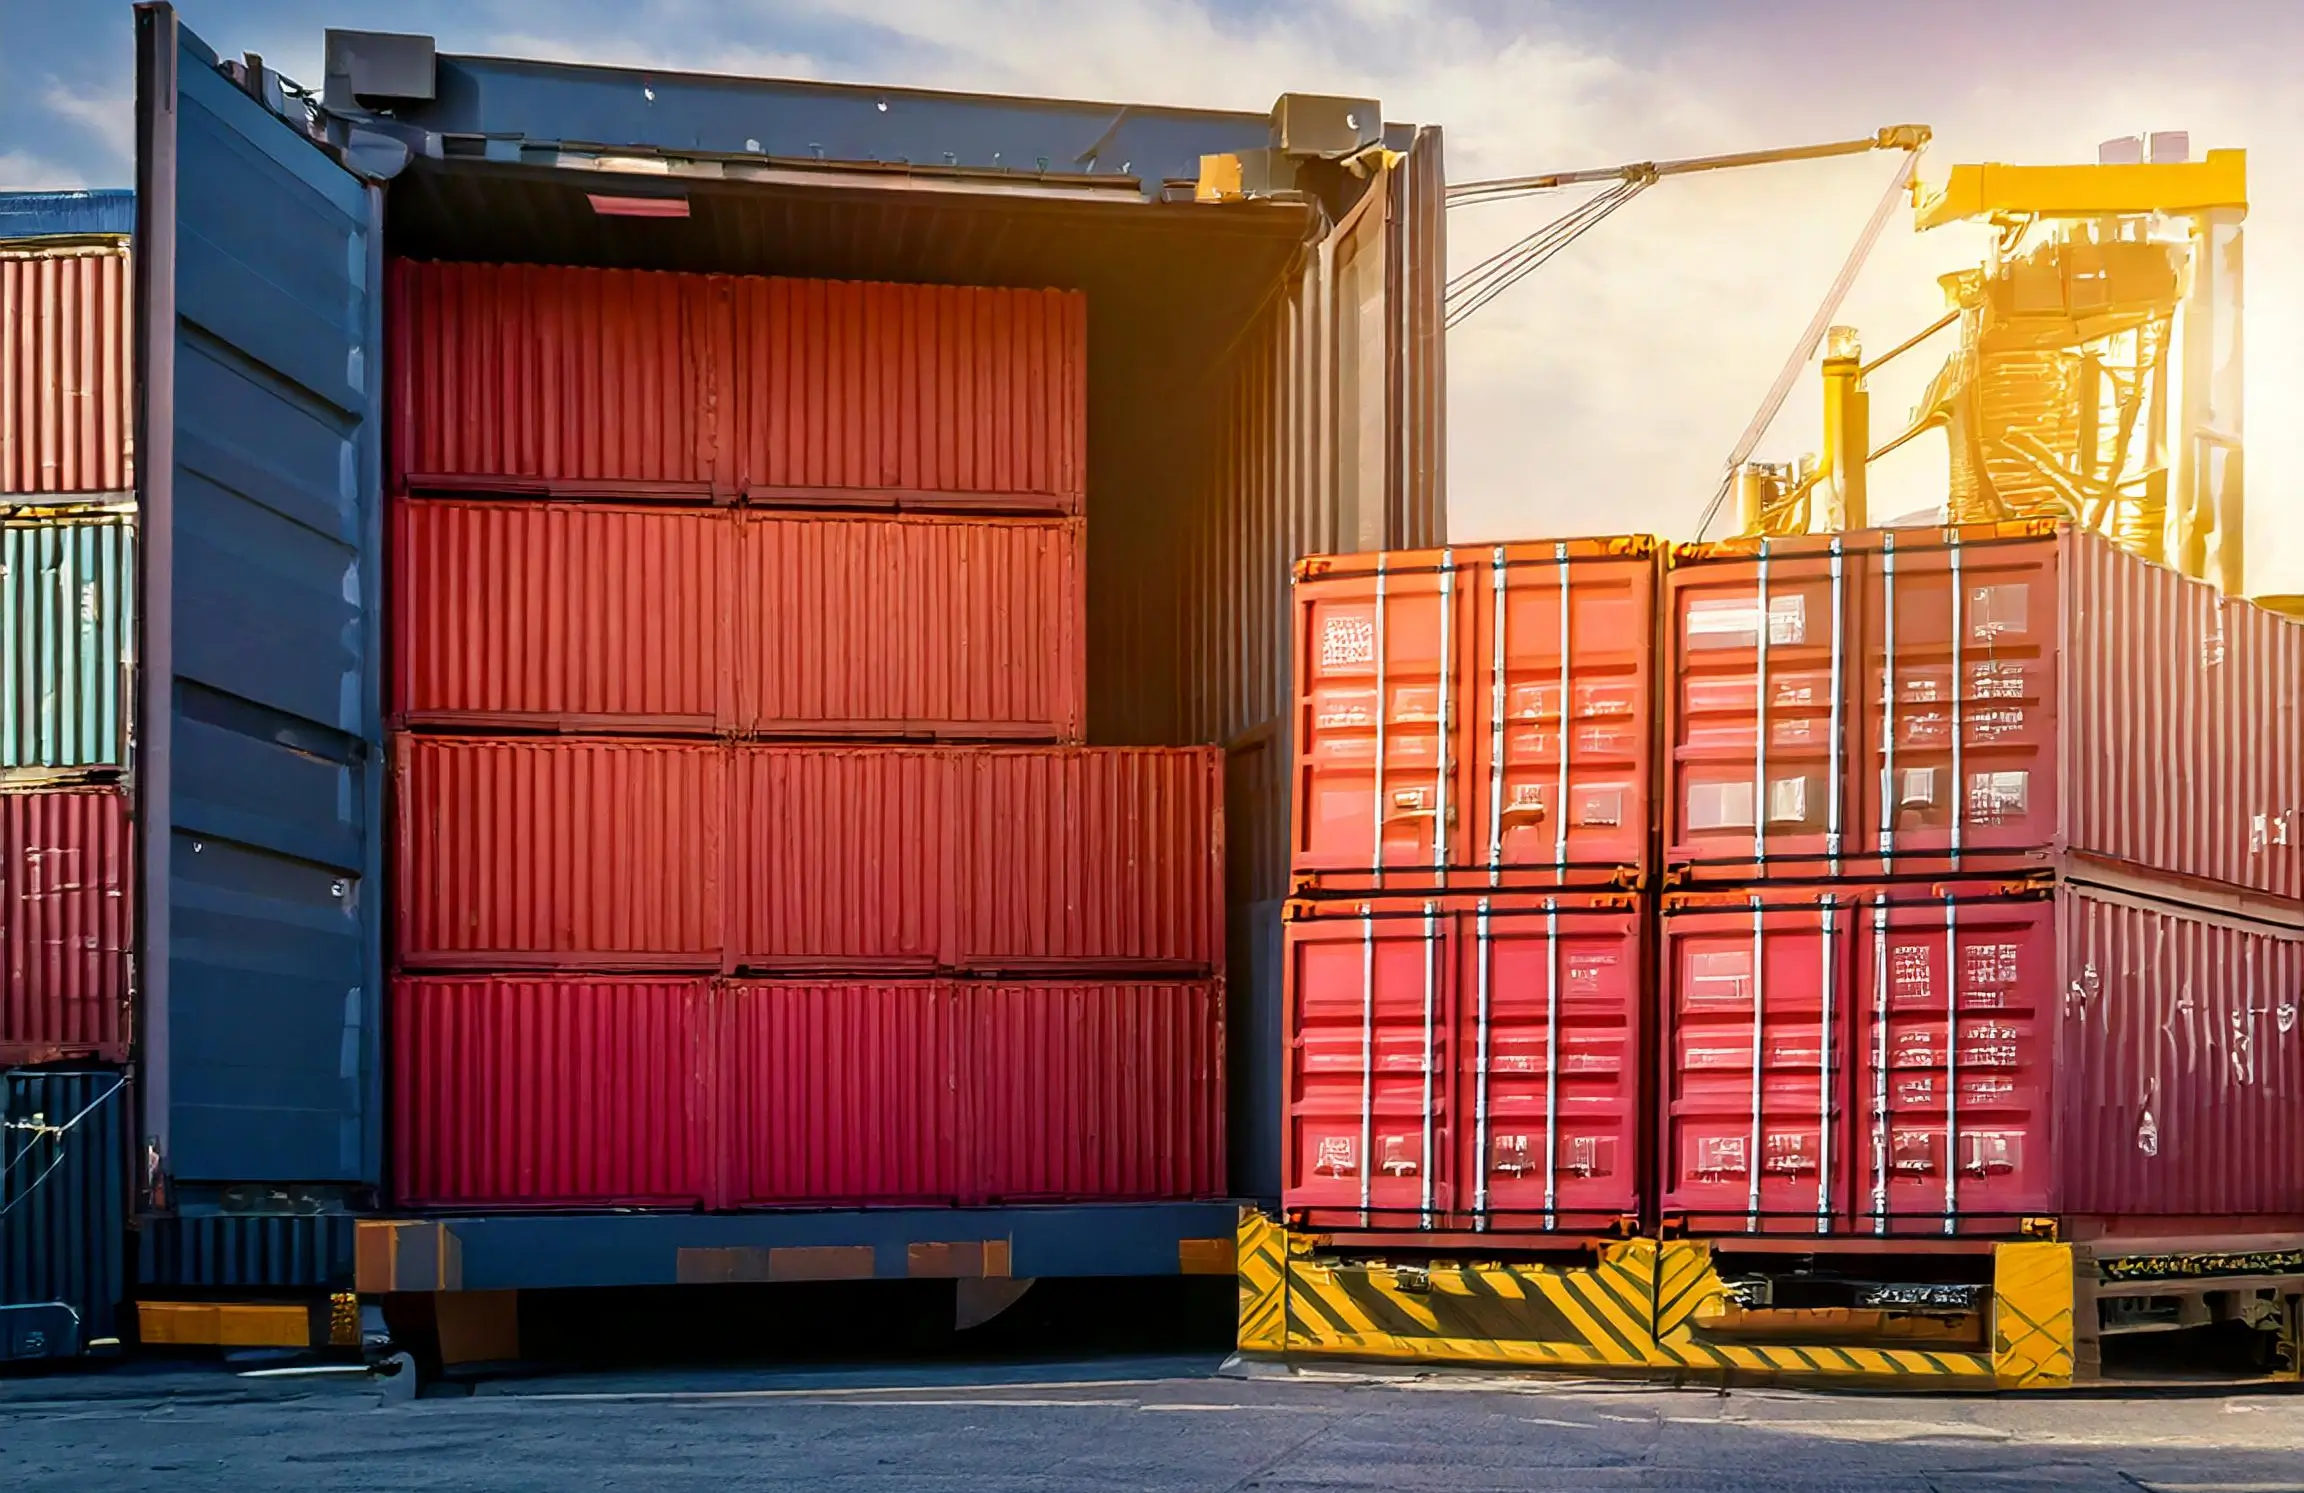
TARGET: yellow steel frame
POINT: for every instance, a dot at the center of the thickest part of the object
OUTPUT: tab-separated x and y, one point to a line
2181	189
1640	1308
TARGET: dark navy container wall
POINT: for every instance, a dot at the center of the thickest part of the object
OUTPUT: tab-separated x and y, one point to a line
64	1141
255	1251
259	767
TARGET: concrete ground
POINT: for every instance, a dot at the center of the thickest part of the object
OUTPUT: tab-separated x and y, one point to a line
1109	1425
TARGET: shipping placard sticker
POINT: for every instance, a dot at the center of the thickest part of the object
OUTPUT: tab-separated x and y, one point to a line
1915	1152
1348	641
1600	808
1999	611
1999	797
1911	973
1720	805
1787	621
1719	1157
1336	1157
1720	977
1790	1153
1996	679
1534	702
1400	1157
1988	1153
1508	1156
1987	973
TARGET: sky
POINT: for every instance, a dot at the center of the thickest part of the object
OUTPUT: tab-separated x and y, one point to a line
1602	394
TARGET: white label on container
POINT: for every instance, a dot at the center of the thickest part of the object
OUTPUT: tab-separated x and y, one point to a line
1722	975
1911	973
1348	640
1720	1156
1987	968
1996	679
1998	797
1719	806
1601	808
1788	801
1787	621
1989	1153
1335	1157
1728	619
1790	1153
1918	788
1508	1156
1998	611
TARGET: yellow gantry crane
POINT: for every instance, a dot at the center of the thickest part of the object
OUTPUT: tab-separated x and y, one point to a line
2097	379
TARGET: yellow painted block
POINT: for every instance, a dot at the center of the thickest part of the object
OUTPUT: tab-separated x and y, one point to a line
222	1324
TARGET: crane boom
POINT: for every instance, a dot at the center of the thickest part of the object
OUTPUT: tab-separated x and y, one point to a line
1911	137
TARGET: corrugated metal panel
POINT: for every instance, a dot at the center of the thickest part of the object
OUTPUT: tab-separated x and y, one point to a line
71	214
67	631
258	263
2052	693
870	626
570	1091
2184	721
567	616
1093	857
1982	1058
1475	717
1467	1063
262	1251
927	393
996	859
65	370
64	1139
67	915
561	376
2180	1063
585	853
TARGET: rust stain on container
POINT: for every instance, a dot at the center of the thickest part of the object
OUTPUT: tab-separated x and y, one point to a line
565	1091
66	380
1949	701
1465	1063
960	1092
1900	1059
1474	717
584	852
67	918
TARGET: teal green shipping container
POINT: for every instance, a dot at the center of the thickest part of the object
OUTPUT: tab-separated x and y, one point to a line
67	590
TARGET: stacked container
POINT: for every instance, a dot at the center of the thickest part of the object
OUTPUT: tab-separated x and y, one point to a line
1988	848
749	854
67	628
1472	854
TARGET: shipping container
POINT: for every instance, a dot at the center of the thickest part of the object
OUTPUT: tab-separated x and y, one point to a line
996	859
1465	1064
1910	1060
2052	695
647	619
67	638
1263	378
1475	717
579	852
574	1092
65	369
78	212
64	1141
67	920
963	1092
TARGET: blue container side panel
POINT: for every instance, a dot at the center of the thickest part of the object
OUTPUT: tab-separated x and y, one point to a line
67	623
77	214
262	851
247	1251
540	102
64	1142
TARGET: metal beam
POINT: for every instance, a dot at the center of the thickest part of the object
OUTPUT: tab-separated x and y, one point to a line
1981	191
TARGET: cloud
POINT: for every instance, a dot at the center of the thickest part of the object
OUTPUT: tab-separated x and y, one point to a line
21	171
110	118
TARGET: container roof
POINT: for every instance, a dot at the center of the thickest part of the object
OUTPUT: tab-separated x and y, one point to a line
73	214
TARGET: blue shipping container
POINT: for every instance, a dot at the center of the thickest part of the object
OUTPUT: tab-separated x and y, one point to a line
63	1210
79	214
67	624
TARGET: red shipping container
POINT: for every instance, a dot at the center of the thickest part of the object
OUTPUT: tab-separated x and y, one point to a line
1475	717
66	370
542	854
2053	695
592	617
924	395
551	379
1465	1063
561	616
996	859
590	1091
939	1091
67	921
874	625
1909	1060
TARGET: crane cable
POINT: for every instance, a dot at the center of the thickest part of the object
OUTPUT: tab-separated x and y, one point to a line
1899	185
1507	267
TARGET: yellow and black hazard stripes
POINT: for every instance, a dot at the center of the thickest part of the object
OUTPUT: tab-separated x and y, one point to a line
2032	1322
1263	1289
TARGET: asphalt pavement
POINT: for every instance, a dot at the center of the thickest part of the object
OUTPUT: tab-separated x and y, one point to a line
1110	1425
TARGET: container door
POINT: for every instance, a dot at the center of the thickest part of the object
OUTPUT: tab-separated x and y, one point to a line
1548	1036
1952	1031
1368	1031
1389	270
1757	1072
258	260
